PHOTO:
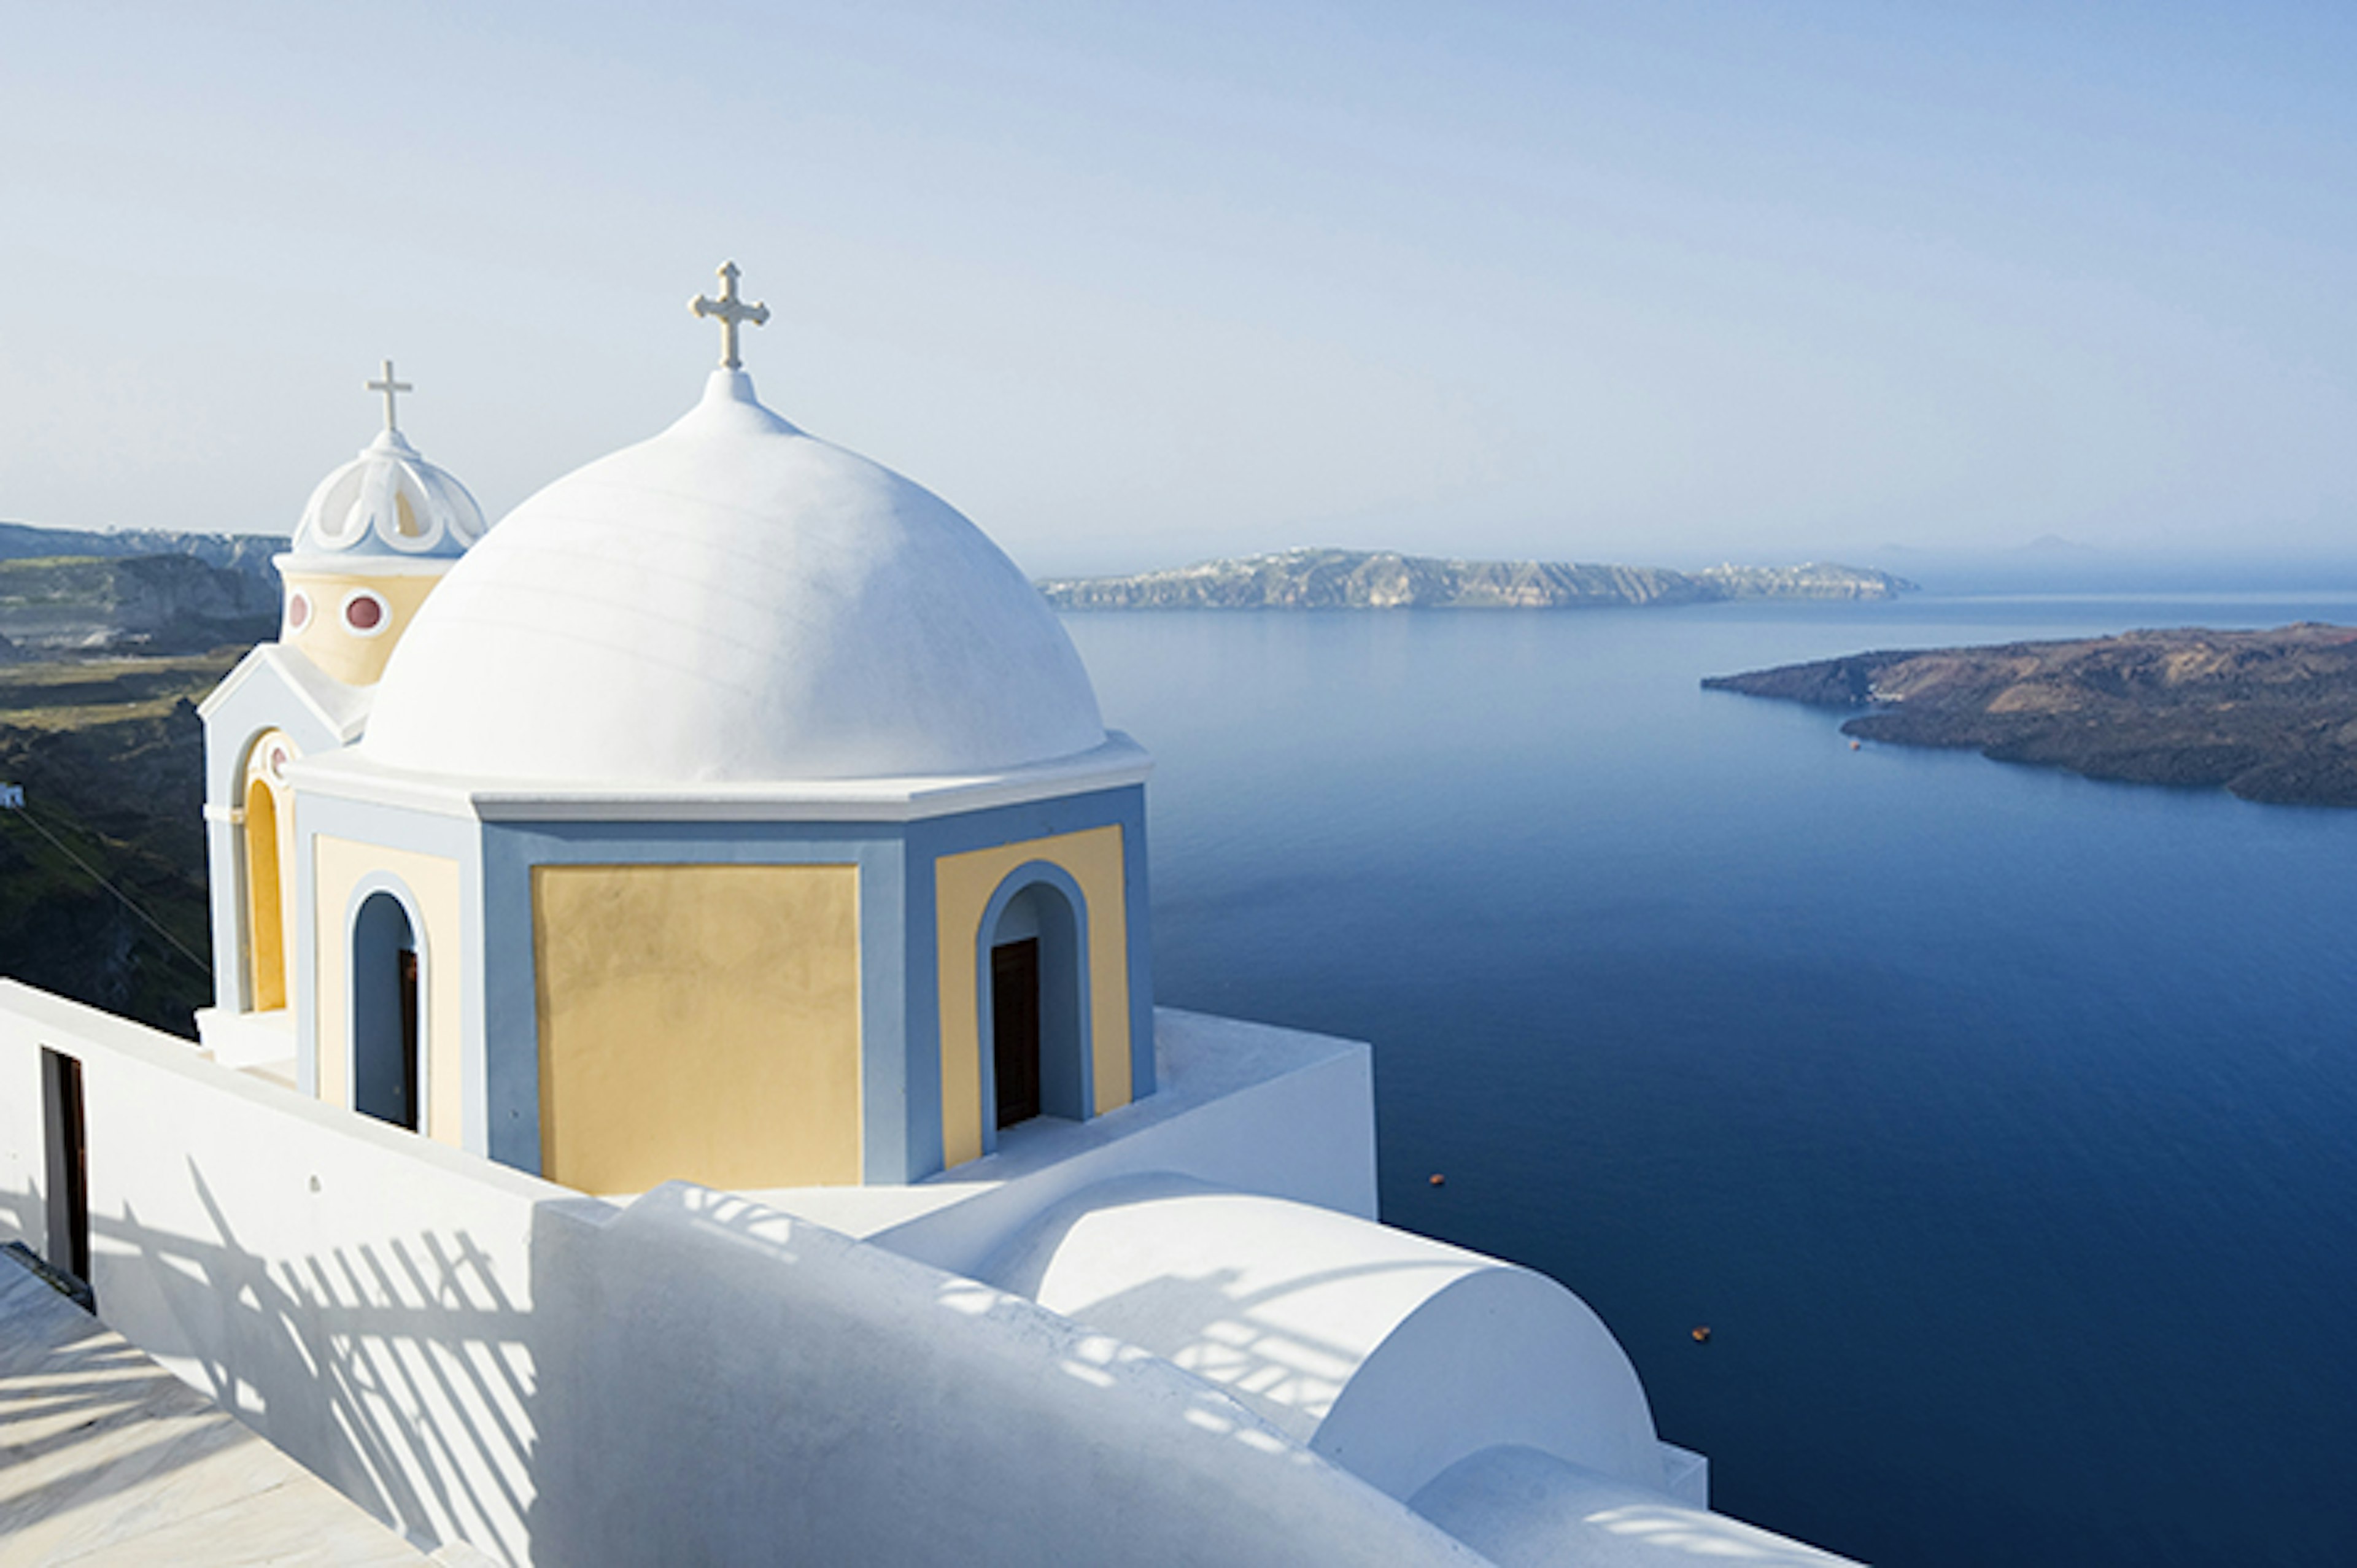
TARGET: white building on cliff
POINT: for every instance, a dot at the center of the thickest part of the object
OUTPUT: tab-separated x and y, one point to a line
684	1085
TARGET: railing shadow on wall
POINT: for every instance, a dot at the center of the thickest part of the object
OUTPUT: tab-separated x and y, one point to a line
400	1372
369	1323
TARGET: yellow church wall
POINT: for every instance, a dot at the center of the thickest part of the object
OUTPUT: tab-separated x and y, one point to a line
963	888
697	1023
338	867
354	660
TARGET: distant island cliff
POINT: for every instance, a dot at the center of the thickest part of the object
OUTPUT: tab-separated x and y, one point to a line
1380	579
2269	715
154	591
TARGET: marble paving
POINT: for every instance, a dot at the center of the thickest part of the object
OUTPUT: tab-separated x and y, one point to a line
108	1461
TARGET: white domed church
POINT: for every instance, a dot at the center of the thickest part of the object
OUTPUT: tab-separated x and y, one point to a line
684	1084
732	740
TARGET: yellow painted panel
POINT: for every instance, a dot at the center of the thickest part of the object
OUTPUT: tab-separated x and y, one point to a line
338	866
699	1023
963	887
353	659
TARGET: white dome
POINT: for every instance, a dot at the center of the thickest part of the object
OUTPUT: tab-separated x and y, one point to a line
732	602
388	501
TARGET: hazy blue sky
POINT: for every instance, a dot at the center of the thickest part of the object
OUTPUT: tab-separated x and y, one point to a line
1132	285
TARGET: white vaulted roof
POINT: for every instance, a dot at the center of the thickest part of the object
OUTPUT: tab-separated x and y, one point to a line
732	602
1393	1355
388	503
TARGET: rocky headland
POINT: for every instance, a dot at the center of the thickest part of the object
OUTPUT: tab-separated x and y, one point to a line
2269	715
132	590
1382	579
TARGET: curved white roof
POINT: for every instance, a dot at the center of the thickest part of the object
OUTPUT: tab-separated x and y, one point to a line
386	503
731	601
1392	1355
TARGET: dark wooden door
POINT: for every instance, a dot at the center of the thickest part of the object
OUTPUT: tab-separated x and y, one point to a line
1015	1028
67	1162
409	1117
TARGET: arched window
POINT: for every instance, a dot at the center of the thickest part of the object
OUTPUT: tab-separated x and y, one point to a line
266	835
1034	1011
266	929
385	1011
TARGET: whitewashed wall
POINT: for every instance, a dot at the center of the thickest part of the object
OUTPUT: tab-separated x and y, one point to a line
474	1354
359	1295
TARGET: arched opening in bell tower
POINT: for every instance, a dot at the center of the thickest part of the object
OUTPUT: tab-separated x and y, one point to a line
265	928
264	837
1035	1010
385	1013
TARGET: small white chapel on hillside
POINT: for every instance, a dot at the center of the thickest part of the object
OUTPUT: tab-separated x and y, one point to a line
684	1084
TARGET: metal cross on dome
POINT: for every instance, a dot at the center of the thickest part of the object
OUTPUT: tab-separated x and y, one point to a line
729	310
389	386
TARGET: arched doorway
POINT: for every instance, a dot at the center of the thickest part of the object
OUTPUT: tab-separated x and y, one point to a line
1038	1049
384	981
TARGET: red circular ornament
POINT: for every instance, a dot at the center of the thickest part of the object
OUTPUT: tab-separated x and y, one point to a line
364	612
299	610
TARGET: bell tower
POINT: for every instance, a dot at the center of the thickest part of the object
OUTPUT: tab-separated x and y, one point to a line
375	539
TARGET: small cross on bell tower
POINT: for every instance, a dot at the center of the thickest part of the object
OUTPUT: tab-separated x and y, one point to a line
729	310
388	386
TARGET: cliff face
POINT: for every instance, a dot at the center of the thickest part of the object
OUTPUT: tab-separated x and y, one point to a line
149	603
2269	715
1362	579
1817	580
247	553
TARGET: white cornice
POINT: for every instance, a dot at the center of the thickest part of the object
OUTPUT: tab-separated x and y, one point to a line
1120	761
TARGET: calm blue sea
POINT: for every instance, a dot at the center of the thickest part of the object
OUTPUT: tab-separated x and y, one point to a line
2001	1125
